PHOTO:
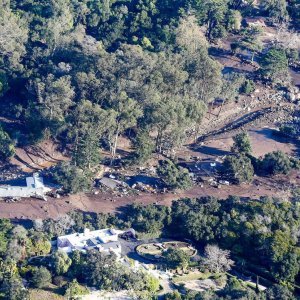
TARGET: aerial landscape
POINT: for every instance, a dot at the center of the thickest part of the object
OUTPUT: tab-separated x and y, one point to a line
149	149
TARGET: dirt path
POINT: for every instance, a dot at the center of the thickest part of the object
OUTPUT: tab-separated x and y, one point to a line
108	203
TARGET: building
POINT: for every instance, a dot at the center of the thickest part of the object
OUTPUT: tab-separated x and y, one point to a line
34	188
255	22
104	240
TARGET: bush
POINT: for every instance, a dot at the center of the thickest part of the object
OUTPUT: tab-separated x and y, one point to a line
289	130
144	147
173	176
274	65
248	87
61	262
276	162
7	148
176	258
41	277
238	168
72	178
74	289
242	143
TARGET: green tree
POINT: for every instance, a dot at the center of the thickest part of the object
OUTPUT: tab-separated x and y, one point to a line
13	35
74	290
176	258
238	168
251	41
13	289
72	178
276	162
39	245
212	13
104	272
60	262
54	98
144	146
276	10
5	228
274	65
7	148
242	144
148	219
277	291
248	87
294	12
41	277
18	243
173	176
90	123
173	296
127	112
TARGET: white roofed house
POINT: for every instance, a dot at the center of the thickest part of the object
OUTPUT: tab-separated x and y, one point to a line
34	188
104	240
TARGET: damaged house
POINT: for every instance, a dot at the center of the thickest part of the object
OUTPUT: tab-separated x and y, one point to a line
34	188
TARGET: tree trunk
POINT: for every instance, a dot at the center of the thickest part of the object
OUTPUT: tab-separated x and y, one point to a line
115	143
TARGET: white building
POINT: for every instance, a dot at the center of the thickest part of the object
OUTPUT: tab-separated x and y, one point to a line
34	188
104	240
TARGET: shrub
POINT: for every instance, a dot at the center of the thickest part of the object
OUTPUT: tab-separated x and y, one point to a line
238	168
41	277
173	176
72	178
248	87
242	143
7	148
276	162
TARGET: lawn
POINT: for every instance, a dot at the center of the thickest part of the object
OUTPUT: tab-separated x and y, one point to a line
191	276
38	294
154	251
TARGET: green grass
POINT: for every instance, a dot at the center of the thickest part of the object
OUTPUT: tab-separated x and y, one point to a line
191	276
151	251
39	294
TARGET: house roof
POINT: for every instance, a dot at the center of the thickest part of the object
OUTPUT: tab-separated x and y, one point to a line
110	183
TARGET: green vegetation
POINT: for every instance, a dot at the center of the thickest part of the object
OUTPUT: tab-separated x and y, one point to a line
277	162
241	166
248	87
74	289
41	277
242	143
238	168
72	178
240	226
7	148
173	176
103	272
267	226
274	65
86	73
176	258
149	219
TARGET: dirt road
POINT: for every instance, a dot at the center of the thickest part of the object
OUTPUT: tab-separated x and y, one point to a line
109	203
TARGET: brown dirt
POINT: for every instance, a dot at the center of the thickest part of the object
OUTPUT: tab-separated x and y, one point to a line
33	158
279	186
46	154
263	140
